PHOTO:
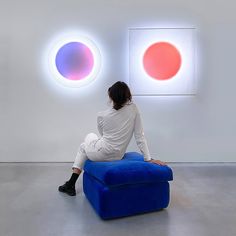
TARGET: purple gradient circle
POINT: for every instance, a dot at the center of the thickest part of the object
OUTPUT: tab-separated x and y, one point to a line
74	61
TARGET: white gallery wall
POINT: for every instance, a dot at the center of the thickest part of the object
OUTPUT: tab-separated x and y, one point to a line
41	120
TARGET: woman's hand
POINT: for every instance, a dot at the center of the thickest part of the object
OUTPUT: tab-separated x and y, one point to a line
158	162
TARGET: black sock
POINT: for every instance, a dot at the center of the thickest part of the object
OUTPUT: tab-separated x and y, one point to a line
73	179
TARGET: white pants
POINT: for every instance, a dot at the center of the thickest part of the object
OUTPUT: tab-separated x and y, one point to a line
91	149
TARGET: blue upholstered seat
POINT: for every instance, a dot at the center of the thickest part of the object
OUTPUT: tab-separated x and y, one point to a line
126	187
130	170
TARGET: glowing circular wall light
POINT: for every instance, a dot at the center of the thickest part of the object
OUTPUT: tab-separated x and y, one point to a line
75	61
162	61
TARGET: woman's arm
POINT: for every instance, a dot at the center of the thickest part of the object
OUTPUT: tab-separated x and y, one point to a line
141	141
140	138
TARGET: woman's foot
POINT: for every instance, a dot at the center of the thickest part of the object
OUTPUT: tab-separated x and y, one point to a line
67	188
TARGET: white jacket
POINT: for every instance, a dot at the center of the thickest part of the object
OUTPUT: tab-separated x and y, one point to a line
117	127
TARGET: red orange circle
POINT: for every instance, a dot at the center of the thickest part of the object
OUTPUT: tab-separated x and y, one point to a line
162	61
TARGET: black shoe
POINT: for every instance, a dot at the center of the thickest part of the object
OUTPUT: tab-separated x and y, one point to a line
67	188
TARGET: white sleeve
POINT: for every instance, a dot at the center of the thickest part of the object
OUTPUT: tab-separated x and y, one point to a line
100	124
140	138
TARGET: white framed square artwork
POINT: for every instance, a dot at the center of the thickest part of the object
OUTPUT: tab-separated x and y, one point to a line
162	61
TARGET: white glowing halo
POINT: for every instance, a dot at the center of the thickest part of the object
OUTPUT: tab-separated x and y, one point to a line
52	61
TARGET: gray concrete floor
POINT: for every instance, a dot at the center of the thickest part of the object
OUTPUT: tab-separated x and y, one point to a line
203	202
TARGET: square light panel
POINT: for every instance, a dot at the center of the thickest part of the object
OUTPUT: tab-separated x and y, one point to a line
162	61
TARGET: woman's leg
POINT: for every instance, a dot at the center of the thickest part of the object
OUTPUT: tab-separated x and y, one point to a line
69	186
81	157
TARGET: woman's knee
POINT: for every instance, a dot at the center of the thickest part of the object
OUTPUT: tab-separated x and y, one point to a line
90	138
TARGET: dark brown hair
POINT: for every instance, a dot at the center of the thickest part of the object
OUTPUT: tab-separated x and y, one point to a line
120	94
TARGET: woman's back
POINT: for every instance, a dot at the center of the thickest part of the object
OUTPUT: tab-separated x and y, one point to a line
117	127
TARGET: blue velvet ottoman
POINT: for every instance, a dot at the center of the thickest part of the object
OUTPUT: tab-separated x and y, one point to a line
126	187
